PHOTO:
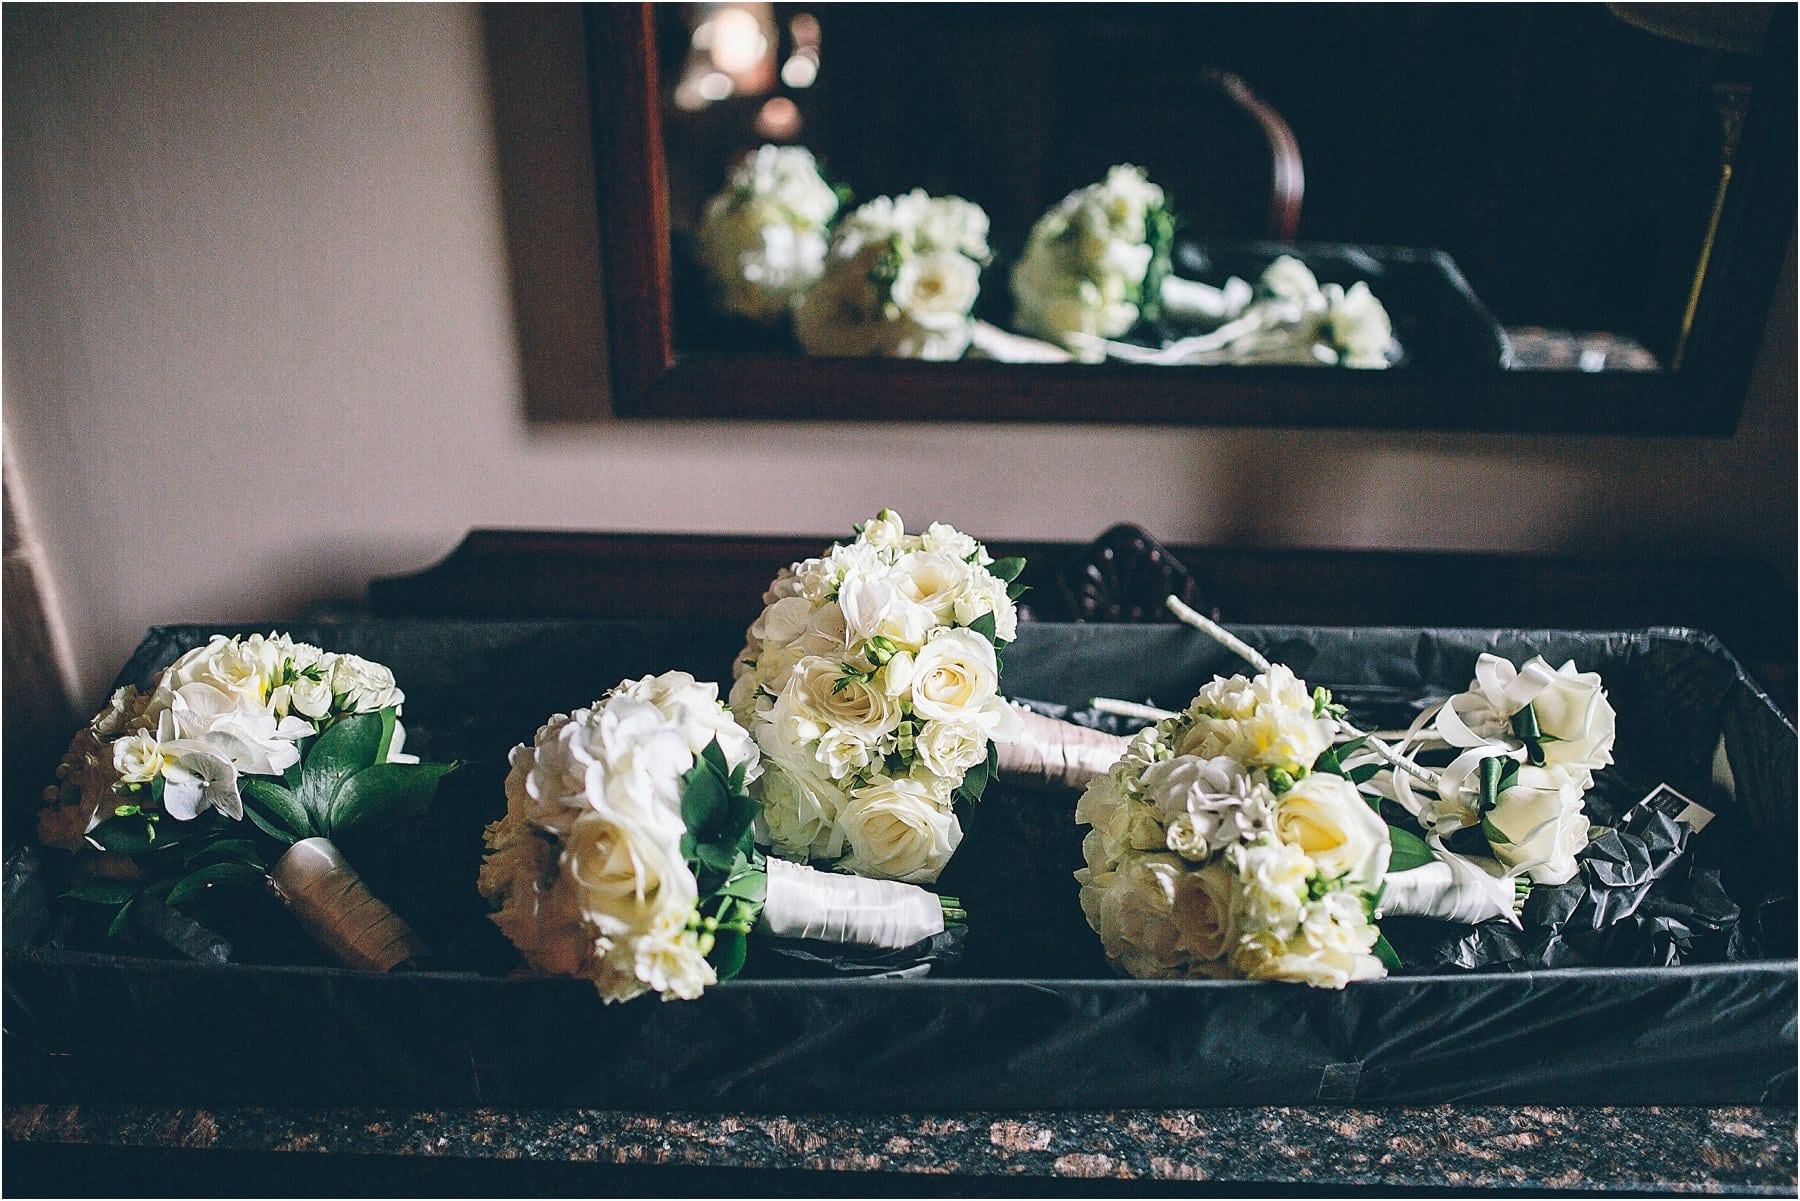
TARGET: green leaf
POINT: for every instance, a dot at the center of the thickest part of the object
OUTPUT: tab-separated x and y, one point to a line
195	883
749	886
1409	850
1384	951
385	794
102	892
240	849
1365	773
984	625
126	835
1495	836
1016	590
121	920
348	747
389	719
975	781
1007	569
728	953
275	810
705	801
1490	782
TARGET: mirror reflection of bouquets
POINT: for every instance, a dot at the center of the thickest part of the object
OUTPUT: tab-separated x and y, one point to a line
901	277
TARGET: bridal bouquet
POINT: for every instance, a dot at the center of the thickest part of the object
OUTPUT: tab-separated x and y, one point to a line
1097	264
1217	849
871	683
1526	743
1293	320
625	855
763	238
900	280
238	767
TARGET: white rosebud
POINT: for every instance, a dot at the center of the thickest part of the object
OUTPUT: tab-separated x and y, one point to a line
950	749
898	829
137	758
1540	823
309	697
1575	719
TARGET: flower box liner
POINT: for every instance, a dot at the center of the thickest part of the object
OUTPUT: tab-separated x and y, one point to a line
1031	1020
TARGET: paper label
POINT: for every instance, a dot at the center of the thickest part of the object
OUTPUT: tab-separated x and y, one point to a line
1665	800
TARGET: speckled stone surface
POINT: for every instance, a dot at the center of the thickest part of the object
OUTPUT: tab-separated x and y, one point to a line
1747	1151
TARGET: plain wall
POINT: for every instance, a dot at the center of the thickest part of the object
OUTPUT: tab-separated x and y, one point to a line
277	320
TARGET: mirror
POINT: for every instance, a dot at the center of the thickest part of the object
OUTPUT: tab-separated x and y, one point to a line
1570	221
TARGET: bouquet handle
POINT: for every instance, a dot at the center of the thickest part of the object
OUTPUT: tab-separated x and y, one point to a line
336	908
1058	754
805	903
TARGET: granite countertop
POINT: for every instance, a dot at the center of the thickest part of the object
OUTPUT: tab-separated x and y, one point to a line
1743	1151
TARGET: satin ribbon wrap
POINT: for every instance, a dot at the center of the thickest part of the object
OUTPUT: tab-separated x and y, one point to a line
1059	754
334	906
1453	888
804	903
991	342
1187	300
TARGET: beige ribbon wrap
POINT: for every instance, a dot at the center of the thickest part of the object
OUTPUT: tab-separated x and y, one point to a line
1058	754
334	906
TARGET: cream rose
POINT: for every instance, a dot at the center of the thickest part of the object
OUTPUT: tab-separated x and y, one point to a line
1540	824
1340	832
800	806
954	675
626	878
898	829
1576	719
949	749
138	758
937	291
1156	919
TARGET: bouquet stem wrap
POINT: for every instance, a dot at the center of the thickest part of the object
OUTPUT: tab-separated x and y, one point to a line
1190	301
804	903
338	911
1452	889
1058	753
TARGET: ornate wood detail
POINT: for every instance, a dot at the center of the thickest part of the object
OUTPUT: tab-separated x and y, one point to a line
1124	576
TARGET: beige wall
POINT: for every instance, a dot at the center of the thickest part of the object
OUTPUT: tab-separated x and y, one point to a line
263	340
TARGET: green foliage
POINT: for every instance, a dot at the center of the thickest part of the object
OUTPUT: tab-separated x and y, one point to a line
1409	850
1007	569
984	625
342	784
975	780
1384	951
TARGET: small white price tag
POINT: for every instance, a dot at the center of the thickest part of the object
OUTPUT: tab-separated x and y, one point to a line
1670	803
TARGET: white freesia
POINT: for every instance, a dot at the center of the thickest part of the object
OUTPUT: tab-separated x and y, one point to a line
763	239
1540	824
899	829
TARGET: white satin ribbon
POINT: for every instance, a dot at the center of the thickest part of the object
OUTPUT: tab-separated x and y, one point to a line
804	903
1058	754
992	342
1188	300
1452	888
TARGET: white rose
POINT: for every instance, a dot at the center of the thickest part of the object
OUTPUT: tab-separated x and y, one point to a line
950	749
935	581
1288	279
954	675
937	291
884	531
898	830
1265	956
309	697
1576	719
227	665
820	699
1227	696
626	876
948	540
137	758
1540	823
361	685
1157	919
1340	832
1359	327
695	710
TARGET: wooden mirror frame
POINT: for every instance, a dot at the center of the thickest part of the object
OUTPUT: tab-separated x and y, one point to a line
1704	396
